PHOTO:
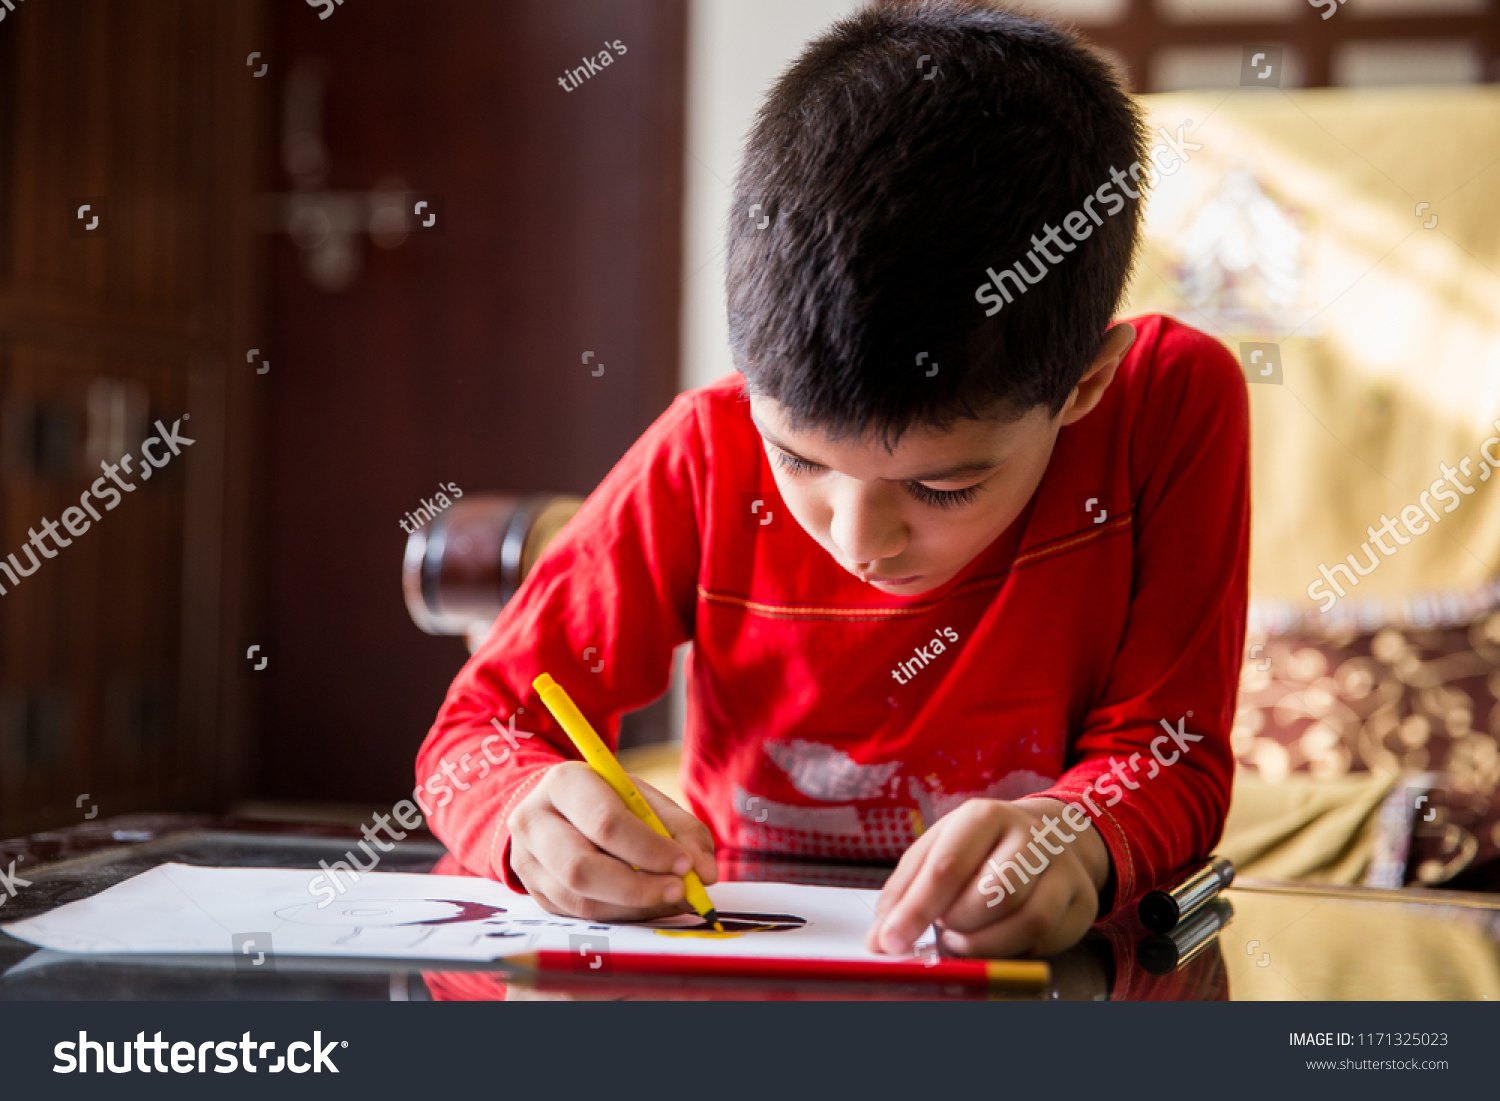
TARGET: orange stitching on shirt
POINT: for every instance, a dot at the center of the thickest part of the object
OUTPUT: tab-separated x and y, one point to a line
1123	880
1047	550
1124	885
815	611
807	611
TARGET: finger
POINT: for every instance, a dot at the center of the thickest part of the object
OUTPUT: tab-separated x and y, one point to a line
1001	885
554	897
907	868
896	886
684	828
572	860
1075	922
949	865
529	871
1053	917
593	808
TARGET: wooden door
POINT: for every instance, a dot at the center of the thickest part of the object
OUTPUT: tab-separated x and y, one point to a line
457	355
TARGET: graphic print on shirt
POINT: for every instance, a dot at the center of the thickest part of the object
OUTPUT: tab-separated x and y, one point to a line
933	802
822	772
875	818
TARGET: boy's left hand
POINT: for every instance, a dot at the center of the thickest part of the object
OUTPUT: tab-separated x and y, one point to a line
938	881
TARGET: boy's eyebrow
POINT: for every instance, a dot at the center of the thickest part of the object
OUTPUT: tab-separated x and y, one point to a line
951	473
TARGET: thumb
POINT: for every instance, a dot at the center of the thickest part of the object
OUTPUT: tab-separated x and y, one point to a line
685	829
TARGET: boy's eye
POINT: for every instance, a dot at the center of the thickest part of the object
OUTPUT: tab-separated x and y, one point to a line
936	498
942	498
793	465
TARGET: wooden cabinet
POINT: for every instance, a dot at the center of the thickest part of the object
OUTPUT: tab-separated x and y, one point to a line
116	679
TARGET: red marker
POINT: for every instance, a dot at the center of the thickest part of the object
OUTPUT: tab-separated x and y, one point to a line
1030	975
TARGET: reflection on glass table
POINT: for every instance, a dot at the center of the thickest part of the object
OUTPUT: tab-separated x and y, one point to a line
1263	940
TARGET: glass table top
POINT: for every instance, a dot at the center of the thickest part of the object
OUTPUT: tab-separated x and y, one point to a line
1262	940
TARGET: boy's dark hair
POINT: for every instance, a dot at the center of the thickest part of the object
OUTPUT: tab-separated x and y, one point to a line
872	200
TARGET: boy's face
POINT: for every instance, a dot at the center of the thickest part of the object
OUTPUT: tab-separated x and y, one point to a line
909	519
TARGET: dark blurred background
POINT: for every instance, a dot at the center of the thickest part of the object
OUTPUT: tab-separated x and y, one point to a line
451	356
256	269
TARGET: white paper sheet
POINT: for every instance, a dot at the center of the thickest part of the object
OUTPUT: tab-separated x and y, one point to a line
181	908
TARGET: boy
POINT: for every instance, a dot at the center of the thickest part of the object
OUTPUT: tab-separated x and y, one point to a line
951	557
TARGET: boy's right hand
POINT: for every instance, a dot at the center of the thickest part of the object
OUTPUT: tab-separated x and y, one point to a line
573	841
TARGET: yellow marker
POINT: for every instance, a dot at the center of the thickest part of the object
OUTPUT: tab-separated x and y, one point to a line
602	761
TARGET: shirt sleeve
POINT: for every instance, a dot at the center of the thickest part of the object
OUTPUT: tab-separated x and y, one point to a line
1153	761
601	611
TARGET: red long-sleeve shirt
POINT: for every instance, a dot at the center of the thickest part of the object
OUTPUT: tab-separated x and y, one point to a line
828	719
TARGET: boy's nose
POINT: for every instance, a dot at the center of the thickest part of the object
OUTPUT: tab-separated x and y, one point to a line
866	530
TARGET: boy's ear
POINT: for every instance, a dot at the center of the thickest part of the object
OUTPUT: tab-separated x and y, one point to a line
1091	387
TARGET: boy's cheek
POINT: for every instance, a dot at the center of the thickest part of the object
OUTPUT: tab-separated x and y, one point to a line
811	515
800	506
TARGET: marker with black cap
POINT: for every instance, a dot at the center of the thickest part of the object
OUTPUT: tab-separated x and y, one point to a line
1160	911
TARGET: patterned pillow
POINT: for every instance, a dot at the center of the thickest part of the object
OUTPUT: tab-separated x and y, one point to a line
1419	701
1455	840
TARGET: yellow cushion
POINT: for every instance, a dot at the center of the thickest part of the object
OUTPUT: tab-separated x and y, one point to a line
1302	828
1297	224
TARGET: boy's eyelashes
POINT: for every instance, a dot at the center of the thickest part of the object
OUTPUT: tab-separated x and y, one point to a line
937	498
792	464
942	498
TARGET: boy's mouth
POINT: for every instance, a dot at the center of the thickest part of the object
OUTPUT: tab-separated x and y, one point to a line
893	581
